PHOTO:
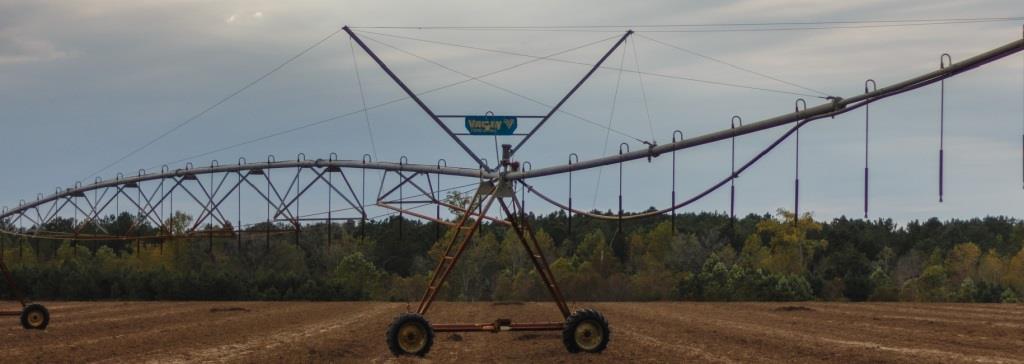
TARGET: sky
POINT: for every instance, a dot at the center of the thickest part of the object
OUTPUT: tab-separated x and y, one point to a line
84	83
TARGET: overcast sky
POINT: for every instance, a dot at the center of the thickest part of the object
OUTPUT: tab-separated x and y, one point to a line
83	83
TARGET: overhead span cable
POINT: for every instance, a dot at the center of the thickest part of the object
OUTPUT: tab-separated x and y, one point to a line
214	105
496	86
746	26
386	103
548	58
744	69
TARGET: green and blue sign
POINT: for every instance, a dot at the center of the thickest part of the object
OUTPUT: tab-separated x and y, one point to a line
491	124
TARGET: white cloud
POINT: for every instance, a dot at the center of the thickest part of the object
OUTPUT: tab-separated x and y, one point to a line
20	50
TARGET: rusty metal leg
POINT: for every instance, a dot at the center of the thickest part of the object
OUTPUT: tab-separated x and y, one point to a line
447	262
529	241
11	285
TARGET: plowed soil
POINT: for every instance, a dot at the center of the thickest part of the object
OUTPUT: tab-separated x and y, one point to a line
806	332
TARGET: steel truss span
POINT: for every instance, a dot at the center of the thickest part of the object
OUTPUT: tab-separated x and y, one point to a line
205	191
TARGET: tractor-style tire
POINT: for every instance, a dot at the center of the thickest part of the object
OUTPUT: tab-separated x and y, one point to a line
35	317
586	331
410	334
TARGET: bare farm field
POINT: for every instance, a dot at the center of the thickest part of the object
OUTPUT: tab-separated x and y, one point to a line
301	332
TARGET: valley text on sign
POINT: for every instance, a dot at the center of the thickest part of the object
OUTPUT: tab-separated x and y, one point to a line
491	124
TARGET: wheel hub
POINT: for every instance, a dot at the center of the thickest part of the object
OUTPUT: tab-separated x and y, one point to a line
588	335
412	337
35	318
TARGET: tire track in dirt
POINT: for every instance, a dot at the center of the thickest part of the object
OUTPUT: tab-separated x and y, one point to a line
824	336
270	341
980	339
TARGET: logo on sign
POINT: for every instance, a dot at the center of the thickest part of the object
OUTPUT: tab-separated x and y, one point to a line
491	125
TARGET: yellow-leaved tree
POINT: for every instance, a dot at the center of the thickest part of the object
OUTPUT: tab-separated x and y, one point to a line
790	248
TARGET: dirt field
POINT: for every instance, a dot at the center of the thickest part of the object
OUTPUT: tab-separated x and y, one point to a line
641	332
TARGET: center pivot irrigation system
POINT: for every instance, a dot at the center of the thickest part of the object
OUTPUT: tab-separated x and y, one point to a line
211	191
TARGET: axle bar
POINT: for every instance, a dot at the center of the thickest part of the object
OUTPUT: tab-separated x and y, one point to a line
498	326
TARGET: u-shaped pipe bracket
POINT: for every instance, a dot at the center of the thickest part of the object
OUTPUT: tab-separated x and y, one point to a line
678	133
942	60
870	86
623	145
573	158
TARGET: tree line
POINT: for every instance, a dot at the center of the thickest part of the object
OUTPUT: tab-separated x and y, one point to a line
706	256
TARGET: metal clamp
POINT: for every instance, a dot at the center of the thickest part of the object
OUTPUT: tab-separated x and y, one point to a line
332	157
188	166
873	88
573	158
241	160
271	159
623	144
942	60
164	168
800	102
367	158
675	133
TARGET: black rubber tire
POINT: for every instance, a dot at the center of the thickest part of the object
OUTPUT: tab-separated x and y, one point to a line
35	308
579	317
404	319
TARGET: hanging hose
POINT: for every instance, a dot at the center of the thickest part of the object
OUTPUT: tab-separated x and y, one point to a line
732	181
867	112
796	179
709	190
674	134
573	158
942	122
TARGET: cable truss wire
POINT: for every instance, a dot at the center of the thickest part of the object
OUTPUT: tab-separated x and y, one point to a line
362	97
734	66
386	103
897	22
507	90
611	117
643	92
548	58
216	104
